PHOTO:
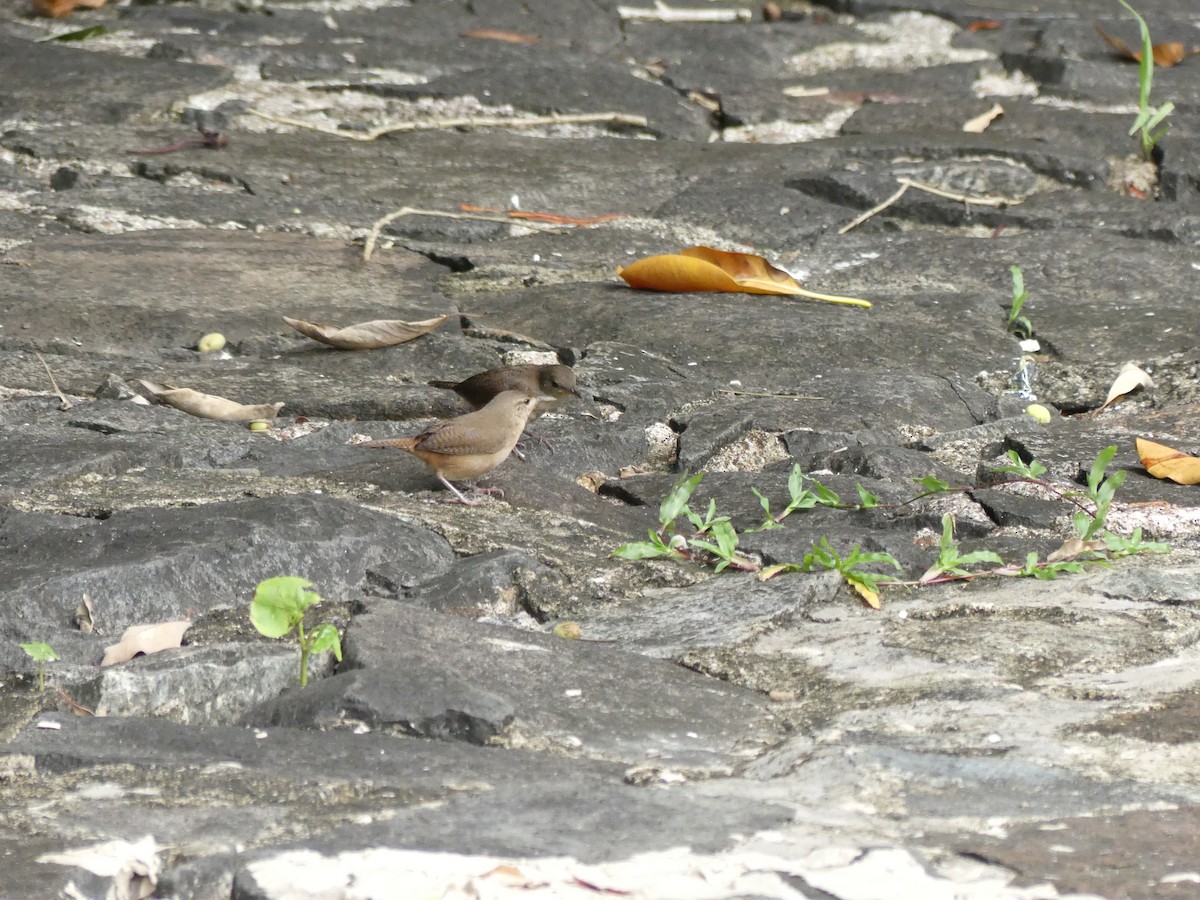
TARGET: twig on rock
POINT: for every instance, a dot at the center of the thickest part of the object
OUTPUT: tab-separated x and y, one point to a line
377	228
906	183
370	134
66	404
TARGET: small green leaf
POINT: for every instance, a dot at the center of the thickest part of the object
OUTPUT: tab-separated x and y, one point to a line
279	605
642	550
932	485
677	499
825	497
81	34
39	651
325	637
866	499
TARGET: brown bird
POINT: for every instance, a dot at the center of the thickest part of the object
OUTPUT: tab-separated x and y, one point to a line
552	383
471	445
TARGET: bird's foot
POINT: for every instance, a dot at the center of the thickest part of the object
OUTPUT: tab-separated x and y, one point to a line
460	497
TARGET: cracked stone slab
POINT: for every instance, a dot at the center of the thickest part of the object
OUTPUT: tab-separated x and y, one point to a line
574	697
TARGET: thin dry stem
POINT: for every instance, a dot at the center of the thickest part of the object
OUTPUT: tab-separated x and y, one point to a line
370	134
66	404
906	183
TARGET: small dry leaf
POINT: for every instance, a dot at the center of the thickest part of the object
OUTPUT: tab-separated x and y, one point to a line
1129	379
145	639
1072	548
508	37
1166	462
979	124
84	620
209	406
367	335
869	595
60	9
984	25
1165	55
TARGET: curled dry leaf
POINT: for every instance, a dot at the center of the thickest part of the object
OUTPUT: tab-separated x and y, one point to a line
709	269
145	639
60	9
1162	461
209	406
1073	548
1129	379
1164	55
368	335
979	124
870	595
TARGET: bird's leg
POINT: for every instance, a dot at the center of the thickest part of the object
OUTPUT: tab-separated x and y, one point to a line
475	489
459	494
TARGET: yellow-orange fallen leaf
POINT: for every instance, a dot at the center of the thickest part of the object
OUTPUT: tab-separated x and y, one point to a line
1128	380
1164	55
145	639
984	25
979	124
1162	461
367	335
708	269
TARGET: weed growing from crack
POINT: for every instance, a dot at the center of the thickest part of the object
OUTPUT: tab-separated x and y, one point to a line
1018	324
1148	118
715	541
41	653
278	607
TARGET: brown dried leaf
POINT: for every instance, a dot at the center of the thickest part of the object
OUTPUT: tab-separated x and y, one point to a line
1165	55
1162	461
367	335
508	37
209	406
60	9
145	639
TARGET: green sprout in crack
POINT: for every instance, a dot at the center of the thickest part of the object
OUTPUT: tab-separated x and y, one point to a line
802	497
278	607
1018	324
950	562
666	541
41	653
1148	118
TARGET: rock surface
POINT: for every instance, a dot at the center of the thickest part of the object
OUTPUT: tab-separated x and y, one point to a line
191	170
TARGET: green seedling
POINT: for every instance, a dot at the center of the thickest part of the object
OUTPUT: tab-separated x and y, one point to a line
1033	470
950	561
664	542
1018	324
278	607
1148	118
41	653
803	498
1046	571
1118	545
1100	490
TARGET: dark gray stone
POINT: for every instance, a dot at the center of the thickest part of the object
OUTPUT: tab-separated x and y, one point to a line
574	697
141	566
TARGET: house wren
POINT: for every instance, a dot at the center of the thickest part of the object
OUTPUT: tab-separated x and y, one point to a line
472	445
553	383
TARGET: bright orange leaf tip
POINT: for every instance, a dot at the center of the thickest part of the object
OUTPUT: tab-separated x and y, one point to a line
708	269
1165	462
